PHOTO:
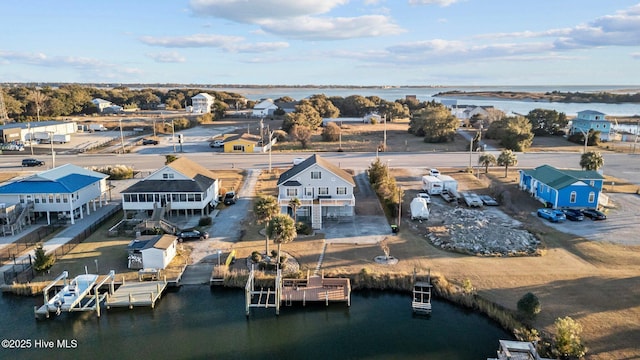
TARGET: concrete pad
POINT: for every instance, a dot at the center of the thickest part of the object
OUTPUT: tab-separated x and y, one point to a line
369	229
197	274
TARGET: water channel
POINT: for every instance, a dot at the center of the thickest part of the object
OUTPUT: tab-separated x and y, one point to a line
196	322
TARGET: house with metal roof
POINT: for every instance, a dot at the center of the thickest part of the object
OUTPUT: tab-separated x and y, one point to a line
325	191
151	251
265	107
64	192
560	188
591	120
202	103
180	187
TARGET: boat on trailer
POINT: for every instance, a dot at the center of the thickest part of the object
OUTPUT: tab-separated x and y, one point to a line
72	293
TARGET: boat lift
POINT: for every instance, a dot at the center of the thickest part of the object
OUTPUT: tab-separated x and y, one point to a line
89	301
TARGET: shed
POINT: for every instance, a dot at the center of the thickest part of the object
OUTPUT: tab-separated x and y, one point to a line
152	251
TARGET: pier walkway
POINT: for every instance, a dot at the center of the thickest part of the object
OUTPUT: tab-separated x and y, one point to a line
131	294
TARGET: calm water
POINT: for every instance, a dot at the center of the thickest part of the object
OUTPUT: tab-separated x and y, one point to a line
199	323
426	94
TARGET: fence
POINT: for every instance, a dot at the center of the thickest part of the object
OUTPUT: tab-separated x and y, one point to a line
22	270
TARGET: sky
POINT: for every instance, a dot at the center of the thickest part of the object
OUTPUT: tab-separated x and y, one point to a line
322	42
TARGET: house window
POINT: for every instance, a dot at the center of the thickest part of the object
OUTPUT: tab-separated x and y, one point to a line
50	198
22	199
191	197
592	197
37	199
316	175
65	199
342	190
323	191
292	192
167	176
183	197
174	197
592	183
198	197
238	147
308	192
127	197
572	197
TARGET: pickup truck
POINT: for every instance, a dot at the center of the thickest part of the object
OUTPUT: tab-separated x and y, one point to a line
472	200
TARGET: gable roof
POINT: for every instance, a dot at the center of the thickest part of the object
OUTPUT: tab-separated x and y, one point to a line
201	179
559	179
203	96
264	104
245	136
590	112
144	242
313	160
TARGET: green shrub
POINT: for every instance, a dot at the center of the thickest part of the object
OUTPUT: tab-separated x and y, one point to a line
529	305
303	228
331	132
256	256
115	172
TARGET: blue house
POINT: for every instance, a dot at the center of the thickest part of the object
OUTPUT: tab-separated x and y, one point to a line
591	120
563	188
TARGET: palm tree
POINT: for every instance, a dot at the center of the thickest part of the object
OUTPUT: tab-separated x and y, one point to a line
591	160
507	158
294	204
486	160
282	230
265	208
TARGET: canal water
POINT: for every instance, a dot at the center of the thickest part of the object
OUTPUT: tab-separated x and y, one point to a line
196	322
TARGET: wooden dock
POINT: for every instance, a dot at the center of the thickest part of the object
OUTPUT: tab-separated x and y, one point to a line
144	293
312	289
421	303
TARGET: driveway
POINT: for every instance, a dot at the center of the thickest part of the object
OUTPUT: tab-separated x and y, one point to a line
368	226
227	225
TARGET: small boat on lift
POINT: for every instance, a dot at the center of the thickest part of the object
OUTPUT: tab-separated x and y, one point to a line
72	293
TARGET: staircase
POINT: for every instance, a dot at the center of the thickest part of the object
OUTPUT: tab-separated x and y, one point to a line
316	216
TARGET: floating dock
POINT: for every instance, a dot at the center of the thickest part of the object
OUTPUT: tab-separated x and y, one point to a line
421	303
144	293
312	289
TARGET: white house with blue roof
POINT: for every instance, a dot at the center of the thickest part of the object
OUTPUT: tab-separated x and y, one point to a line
558	189
591	120
66	192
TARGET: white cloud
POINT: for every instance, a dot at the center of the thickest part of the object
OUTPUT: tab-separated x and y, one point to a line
635	55
298	19
310	28
167	57
226	43
244	12
442	3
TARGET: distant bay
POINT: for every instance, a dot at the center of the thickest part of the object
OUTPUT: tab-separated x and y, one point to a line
393	93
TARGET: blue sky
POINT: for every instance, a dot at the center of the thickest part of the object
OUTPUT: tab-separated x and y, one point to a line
322	42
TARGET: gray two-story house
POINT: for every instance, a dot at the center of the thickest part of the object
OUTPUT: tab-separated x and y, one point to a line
325	191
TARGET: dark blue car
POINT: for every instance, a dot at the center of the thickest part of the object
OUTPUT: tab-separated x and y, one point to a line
594	214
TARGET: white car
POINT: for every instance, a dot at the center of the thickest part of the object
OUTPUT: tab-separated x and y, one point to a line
425	196
298	160
434	172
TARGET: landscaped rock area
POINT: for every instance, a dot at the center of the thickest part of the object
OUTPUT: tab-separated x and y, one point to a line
482	232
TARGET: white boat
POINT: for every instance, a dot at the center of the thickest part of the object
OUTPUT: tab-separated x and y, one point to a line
72	294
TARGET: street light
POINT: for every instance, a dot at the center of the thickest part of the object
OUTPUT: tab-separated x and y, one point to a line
121	135
586	138
219	253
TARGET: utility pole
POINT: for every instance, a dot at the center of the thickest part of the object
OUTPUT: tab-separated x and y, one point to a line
121	135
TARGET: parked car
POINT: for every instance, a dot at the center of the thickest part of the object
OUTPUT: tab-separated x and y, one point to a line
573	214
594	214
149	142
434	172
425	196
230	198
552	215
488	200
192	235
32	162
216	144
298	160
